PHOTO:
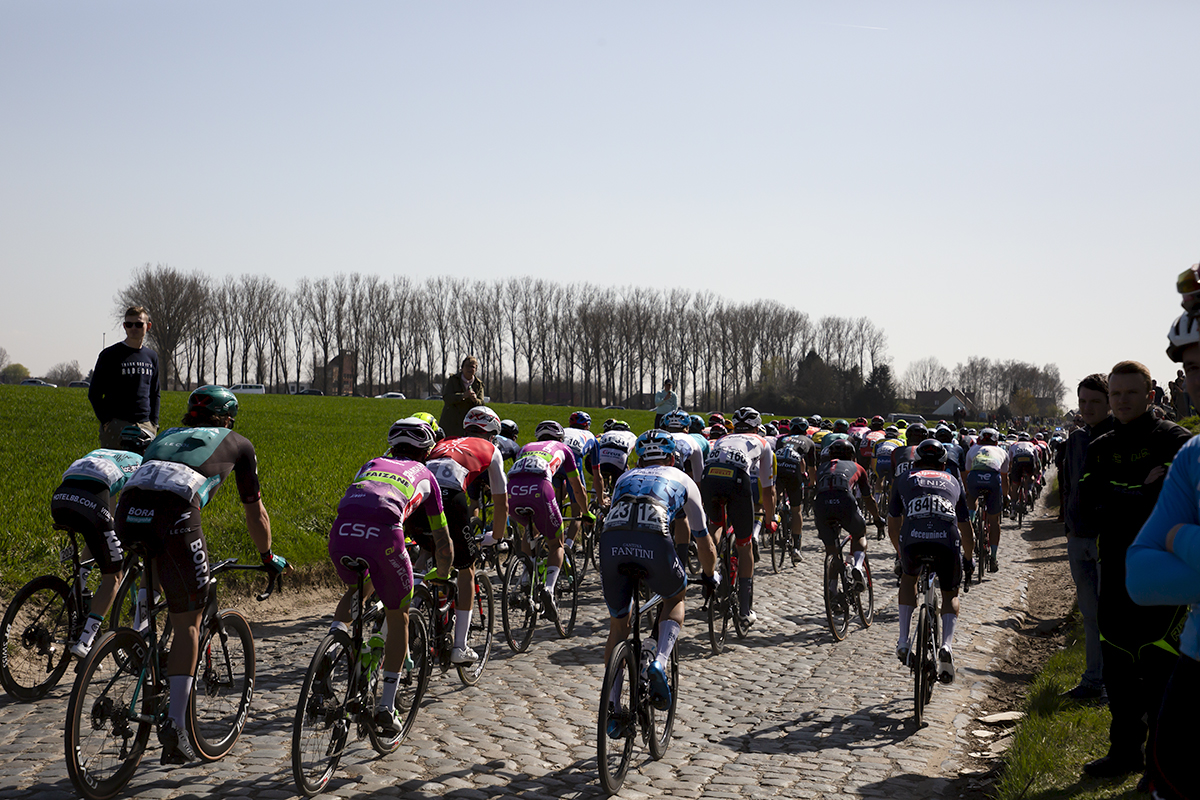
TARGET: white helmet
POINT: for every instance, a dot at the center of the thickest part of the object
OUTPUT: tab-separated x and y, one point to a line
1184	332
483	418
746	419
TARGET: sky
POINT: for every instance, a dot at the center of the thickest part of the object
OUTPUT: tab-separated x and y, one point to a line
1011	180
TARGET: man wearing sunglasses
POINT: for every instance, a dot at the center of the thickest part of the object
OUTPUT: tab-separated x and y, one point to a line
124	388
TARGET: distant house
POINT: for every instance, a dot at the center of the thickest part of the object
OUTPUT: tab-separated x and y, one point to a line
945	403
343	372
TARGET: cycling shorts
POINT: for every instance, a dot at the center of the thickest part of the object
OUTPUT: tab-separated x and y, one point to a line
82	506
647	550
947	560
1021	466
840	508
988	483
792	487
533	504
612	471
169	528
382	547
458	521
883	465
728	499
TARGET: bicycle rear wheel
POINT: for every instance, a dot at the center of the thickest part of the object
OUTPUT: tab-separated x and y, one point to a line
661	722
614	753
781	546
733	608
518	612
35	637
410	688
109	716
837	597
224	685
566	596
322	724
918	666
483	623
718	617
865	600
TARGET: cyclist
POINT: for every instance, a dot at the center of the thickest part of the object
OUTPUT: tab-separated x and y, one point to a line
737	464
696	431
431	420
385	493
160	507
954	453
927	516
637	532
795	457
882	461
506	442
535	505
579	437
611	458
1023	459
869	440
83	502
841	482
987	464
841	430
687	455
456	464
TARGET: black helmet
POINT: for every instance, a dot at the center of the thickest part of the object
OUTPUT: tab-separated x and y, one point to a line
944	435
841	426
135	439
841	449
915	434
931	451
771	429
211	401
509	429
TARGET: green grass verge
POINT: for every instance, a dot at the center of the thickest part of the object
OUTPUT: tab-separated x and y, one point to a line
309	449
1058	736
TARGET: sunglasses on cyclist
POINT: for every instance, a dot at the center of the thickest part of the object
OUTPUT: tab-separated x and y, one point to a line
138	324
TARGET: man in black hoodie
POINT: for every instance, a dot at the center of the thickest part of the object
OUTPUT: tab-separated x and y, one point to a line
1122	476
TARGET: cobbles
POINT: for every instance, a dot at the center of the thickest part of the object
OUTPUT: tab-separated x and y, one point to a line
786	712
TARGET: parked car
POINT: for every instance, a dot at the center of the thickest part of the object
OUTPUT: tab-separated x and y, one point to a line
909	418
38	382
316	392
614	408
79	385
391	396
248	388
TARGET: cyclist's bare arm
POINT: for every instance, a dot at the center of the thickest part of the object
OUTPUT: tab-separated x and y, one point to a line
258	524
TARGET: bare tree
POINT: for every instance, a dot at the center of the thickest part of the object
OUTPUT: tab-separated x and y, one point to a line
174	300
64	372
926	375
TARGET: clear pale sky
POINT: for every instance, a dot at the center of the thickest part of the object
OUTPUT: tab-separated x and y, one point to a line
1010	180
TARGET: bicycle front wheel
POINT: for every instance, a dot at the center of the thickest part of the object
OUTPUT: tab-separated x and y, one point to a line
483	623
410	689
224	685
322	725
733	608
518	611
566	591
617	721
661	722
837	599
918	665
865	600
109	716
35	636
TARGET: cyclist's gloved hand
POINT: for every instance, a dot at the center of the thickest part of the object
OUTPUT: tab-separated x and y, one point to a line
435	575
488	539
772	526
710	582
588	516
278	564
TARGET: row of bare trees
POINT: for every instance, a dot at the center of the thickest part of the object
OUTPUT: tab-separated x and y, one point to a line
991	383
537	340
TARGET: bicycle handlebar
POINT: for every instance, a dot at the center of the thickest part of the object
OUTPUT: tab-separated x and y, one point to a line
274	579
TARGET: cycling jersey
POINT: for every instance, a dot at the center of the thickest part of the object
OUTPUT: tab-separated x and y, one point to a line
582	443
507	447
830	439
192	463
932	504
747	452
83	502
456	463
987	456
546	459
883	456
107	468
818	436
370	524
701	442
868	442
687	455
840	483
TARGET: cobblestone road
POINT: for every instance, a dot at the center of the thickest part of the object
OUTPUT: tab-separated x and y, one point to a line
786	712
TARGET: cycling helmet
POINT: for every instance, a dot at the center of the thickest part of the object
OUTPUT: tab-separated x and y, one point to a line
799	425
989	435
676	420
901	424
655	445
716	419
841	426
826	424
815	420
746	419
931	451
716	431
891	431
484	419
876	423
784	426
580	419
861	422
771	429
695	424
438	433
509	429
841	449
135	439
972	432
1185	331
615	425
211	401
916	433
412	433
548	430
944	435
1023	436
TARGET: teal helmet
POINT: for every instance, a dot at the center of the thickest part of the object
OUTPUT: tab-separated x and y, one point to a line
212	401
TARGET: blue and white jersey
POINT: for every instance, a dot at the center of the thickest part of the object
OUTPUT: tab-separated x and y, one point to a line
687	454
110	468
649	498
581	442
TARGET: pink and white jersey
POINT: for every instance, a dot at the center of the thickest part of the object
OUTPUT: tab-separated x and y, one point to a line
544	459
747	451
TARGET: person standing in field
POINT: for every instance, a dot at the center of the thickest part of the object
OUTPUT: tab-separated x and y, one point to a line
665	402
463	392
124	388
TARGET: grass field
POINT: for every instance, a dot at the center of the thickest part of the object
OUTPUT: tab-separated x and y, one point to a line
309	449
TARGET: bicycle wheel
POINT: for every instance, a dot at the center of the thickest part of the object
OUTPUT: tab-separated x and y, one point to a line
224	685
105	734
322	724
518	612
781	551
410	689
35	636
864	601
718	617
566	596
932	623
614	753
483	623
918	665
661	722
733	608
837	597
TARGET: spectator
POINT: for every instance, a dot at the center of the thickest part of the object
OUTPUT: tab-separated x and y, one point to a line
124	388
665	402
463	392
1179	396
1123	474
1082	553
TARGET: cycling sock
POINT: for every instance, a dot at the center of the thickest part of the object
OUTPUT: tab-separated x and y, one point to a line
906	613
388	696
668	633
181	692
338	625
139	610
551	576
90	628
746	594
462	626
995	550
860	558
948	621
569	544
